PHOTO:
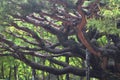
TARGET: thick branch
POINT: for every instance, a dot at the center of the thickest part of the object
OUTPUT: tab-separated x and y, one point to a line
47	27
68	69
2	55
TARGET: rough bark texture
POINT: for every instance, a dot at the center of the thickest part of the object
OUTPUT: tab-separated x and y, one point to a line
72	24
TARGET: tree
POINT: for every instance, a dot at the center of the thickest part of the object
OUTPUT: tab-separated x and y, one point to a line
51	36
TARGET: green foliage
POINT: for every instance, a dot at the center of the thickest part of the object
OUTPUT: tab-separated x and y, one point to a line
110	14
6	8
104	25
102	41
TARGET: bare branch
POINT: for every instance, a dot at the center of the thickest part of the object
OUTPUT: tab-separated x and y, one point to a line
67	69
